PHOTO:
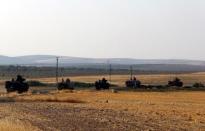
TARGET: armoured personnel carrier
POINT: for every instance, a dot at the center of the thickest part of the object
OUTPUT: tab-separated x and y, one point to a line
102	84
19	85
176	82
133	83
65	85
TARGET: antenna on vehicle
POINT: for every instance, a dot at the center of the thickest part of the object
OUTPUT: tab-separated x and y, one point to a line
131	72
110	71
57	65
17	69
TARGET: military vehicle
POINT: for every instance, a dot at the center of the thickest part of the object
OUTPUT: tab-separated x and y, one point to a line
65	85
19	85
133	83
176	82
102	84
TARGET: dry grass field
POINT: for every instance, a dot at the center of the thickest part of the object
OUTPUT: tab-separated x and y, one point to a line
104	110
91	110
188	79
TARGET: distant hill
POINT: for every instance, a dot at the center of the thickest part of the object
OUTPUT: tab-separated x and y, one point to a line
118	63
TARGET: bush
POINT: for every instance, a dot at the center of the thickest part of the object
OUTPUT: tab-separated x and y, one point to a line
84	85
36	83
188	87
198	85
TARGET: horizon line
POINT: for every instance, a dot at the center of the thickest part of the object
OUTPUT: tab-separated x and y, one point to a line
103	57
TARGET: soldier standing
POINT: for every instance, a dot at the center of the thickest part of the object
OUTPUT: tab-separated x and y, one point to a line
20	79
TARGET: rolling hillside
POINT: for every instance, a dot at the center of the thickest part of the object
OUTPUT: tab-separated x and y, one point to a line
102	63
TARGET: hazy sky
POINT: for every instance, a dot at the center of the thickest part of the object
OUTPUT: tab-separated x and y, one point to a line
104	28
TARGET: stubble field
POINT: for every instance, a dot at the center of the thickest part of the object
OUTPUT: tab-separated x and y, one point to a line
91	110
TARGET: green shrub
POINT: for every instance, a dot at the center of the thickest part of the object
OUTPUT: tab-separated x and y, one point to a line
36	83
84	85
198	85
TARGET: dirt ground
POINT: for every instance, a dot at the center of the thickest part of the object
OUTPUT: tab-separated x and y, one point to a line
89	110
